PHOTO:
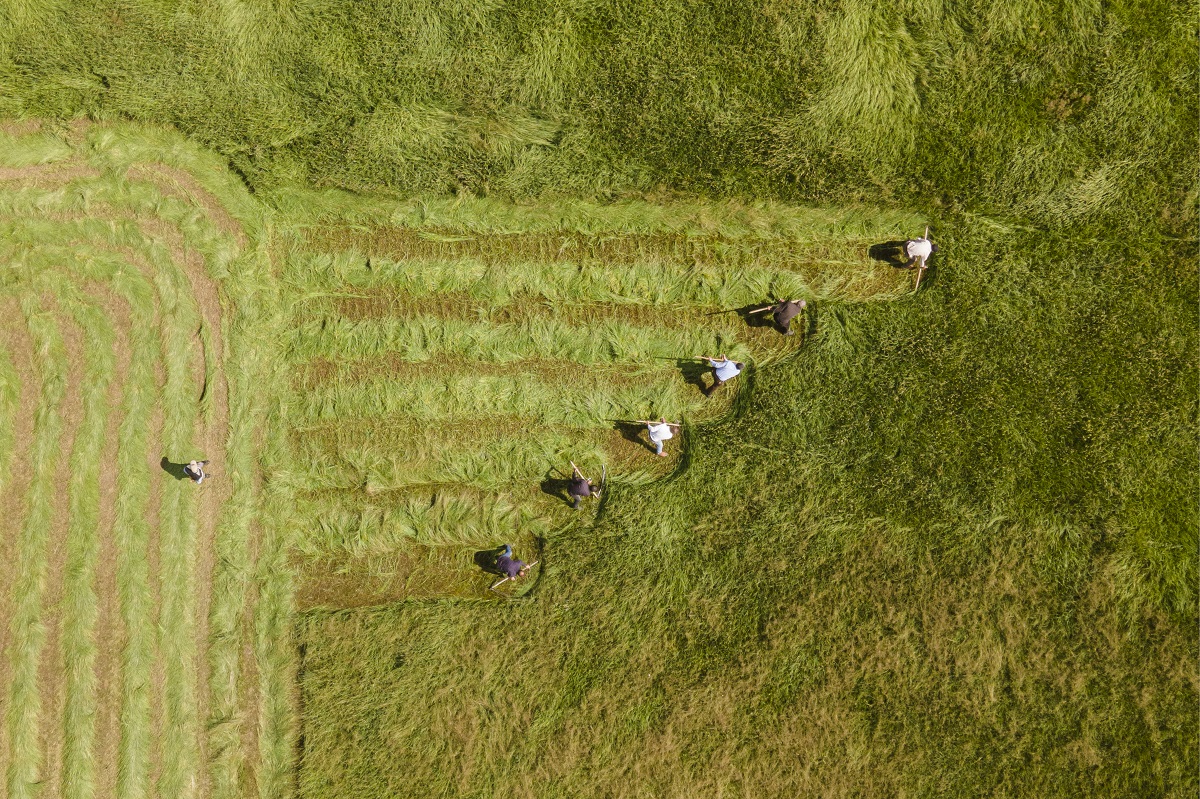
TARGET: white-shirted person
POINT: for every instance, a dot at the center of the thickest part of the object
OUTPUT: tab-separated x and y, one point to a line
659	432
918	251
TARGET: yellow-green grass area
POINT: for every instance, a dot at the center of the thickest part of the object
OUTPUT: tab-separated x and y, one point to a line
146	639
452	352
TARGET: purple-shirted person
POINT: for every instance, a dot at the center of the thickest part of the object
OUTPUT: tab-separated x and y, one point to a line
509	566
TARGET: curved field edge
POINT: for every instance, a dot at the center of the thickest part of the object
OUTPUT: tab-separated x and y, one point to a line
246	284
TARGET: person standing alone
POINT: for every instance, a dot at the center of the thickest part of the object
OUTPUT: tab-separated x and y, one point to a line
195	470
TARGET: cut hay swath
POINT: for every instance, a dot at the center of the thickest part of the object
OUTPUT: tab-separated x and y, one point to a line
152	223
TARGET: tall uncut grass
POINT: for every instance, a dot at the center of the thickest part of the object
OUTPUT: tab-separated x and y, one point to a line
1044	109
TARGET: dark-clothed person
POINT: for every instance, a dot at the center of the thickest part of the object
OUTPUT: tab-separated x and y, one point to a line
508	565
785	312
578	488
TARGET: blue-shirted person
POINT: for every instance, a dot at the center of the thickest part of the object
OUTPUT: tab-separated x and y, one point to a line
724	370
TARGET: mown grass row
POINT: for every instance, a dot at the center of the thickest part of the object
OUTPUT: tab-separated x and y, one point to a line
132	534
474	452
723	280
242	587
79	610
274	645
427	338
10	391
360	526
585	398
471	215
234	573
822	271
27	631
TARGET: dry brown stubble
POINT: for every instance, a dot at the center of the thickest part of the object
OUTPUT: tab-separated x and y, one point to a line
51	671
14	337
110	628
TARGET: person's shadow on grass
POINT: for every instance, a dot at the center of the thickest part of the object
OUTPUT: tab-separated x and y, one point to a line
486	559
760	319
634	433
694	372
176	470
890	252
556	486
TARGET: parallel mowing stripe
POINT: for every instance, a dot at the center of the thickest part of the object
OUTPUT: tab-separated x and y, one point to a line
134	764
359	528
524	458
133	481
179	527
486	216
585	400
715	285
83	546
10	392
177	639
426	337
233	574
273	644
133	538
844	248
130	526
27	632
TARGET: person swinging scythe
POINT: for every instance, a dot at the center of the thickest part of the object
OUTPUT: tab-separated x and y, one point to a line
579	486
784	312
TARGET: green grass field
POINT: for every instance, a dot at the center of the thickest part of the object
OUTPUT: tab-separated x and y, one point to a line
390	266
130	656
